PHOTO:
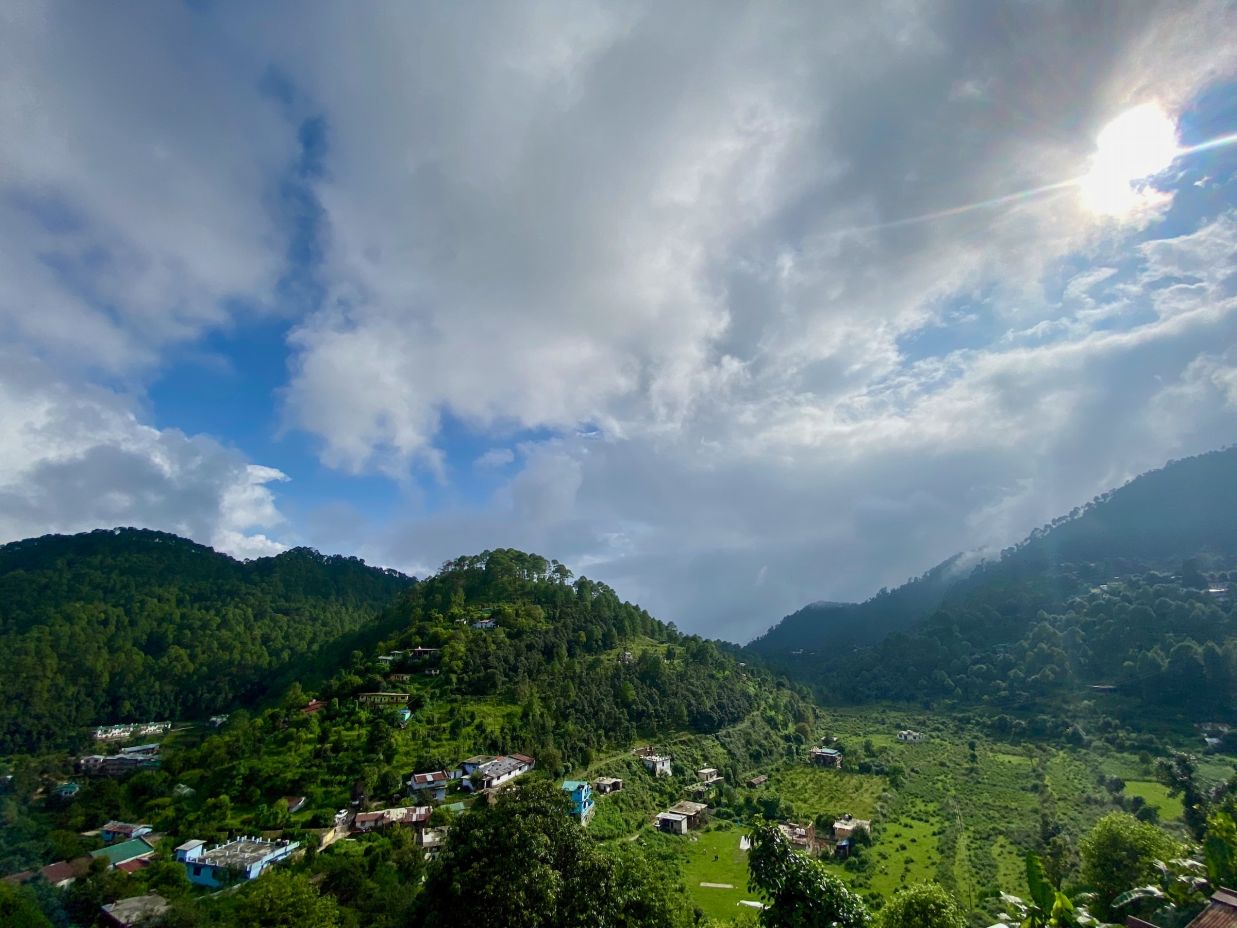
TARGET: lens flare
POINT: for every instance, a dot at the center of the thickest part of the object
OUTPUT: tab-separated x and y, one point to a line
1135	146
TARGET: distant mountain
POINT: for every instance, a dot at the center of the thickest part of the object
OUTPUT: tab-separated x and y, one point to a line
1187	509
130	624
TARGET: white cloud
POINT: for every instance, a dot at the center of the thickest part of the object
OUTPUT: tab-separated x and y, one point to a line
495	457
668	235
78	459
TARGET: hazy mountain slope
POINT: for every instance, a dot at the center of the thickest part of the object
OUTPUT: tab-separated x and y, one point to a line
1186	509
132	624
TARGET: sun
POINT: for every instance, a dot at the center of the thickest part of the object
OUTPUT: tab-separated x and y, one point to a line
1135	146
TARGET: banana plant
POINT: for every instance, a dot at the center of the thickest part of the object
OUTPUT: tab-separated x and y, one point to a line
1047	906
1182	887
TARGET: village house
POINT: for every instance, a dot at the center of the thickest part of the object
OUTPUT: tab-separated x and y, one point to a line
216	721
910	737
405	716
114	831
431	838
125	851
485	772
845	831
435	783
800	837
63	872
581	796
672	823
760	780
414	816
136	911
681	817
708	776
826	757
314	706
66	790
294	803
136	757
657	764
383	699
484	625
605	785
399	677
419	653
241	859
694	812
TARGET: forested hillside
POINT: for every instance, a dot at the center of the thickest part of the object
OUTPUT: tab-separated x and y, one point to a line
579	667
1184	510
129	624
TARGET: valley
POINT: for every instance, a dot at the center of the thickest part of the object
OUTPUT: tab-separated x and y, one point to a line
504	714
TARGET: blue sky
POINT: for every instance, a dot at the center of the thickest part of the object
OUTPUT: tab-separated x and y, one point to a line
732	306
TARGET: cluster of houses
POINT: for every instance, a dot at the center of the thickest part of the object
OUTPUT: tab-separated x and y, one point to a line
481	773
417	659
127	760
805	838
133	730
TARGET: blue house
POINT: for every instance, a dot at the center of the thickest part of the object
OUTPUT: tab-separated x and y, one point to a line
581	795
242	859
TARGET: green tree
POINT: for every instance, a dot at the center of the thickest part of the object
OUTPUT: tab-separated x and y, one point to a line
1220	850
1120	853
801	893
558	877
20	909
279	899
921	905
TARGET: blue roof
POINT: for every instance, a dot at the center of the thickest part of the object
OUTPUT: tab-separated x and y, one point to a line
572	785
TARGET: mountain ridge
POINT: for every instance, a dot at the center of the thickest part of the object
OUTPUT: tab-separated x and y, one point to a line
1183	509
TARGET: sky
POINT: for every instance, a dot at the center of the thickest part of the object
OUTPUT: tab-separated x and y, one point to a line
733	306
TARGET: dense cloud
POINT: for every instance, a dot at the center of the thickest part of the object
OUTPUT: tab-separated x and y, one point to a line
672	238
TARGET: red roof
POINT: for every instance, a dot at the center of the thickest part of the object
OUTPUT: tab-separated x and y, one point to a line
1221	912
315	705
132	866
524	759
437	776
58	872
16	878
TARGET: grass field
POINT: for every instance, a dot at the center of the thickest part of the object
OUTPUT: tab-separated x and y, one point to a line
1156	795
713	856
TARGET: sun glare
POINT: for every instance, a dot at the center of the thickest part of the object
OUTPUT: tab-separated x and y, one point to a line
1135	146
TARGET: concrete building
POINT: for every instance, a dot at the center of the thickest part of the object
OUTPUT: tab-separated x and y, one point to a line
605	785
910	737
826	757
434	783
136	911
115	831
672	823
657	764
241	859
692	812
484	772
581	795
414	816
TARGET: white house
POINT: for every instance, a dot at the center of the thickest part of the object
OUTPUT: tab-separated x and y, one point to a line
910	737
657	764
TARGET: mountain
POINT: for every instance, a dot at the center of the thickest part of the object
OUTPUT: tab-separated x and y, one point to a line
1184	510
131	625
